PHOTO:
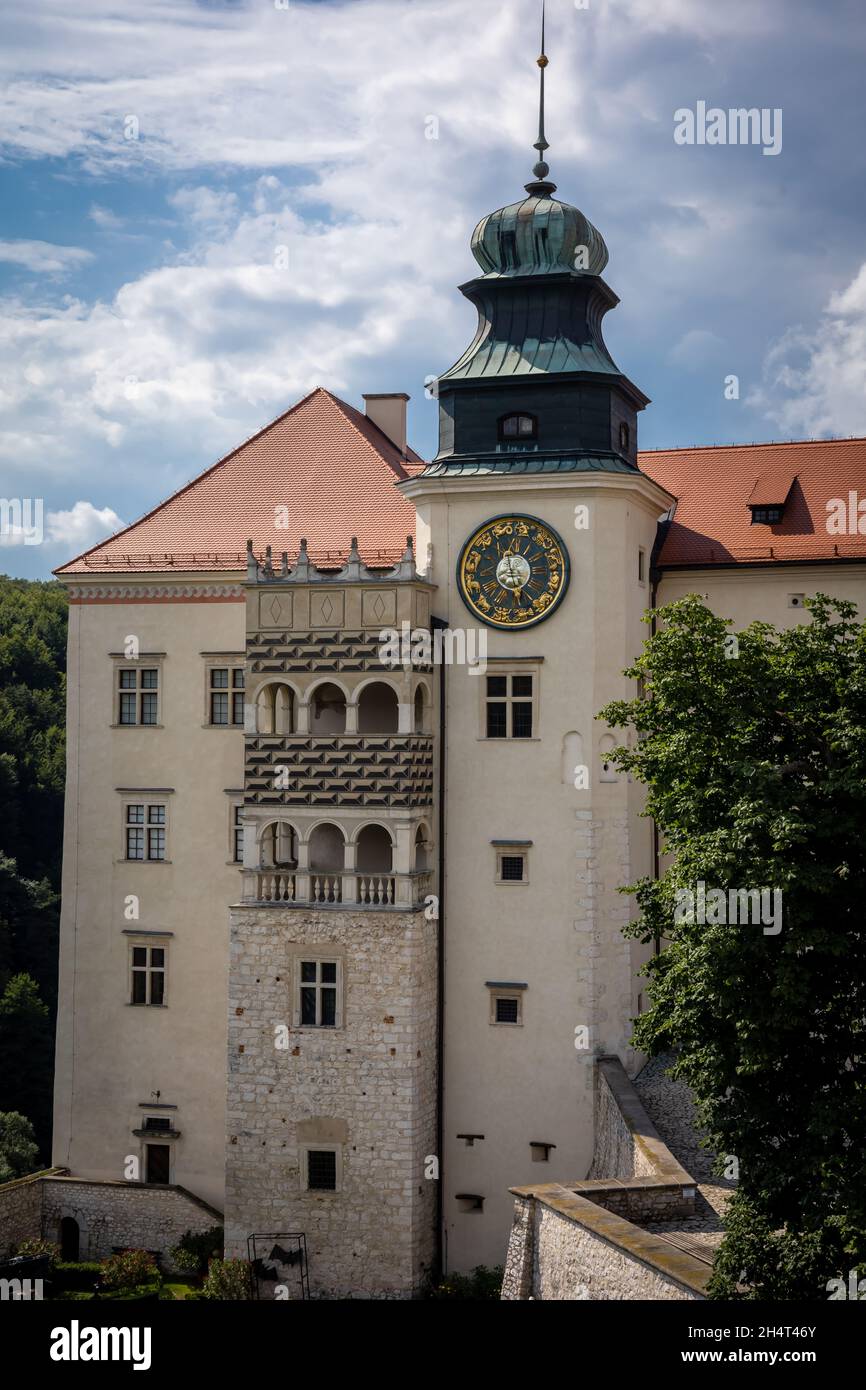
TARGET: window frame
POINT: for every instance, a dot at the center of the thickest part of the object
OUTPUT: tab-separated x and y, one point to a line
509	669
517	849
317	1146
136	666
233	664
518	438
305	956
512	994
147	944
149	802
236	829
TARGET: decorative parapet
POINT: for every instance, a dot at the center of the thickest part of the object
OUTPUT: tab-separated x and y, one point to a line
303	571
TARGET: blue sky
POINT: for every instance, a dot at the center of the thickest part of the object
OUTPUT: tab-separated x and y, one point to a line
147	324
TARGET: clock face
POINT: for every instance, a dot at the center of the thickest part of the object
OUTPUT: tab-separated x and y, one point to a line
513	572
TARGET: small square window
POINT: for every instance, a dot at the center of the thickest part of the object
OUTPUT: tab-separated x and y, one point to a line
507	1010
521	686
512	868
497	686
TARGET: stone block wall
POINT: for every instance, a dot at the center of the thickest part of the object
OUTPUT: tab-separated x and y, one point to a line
564	1247
21	1210
110	1215
367	1087
113	1215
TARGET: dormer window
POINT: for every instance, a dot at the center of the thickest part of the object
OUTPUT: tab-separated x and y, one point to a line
518	427
769	496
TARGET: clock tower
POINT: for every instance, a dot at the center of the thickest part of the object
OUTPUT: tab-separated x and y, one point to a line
540	528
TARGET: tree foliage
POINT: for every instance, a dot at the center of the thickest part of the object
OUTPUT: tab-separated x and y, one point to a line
754	757
32	766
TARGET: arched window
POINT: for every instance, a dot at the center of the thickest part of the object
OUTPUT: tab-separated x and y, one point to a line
514	428
419	710
275	709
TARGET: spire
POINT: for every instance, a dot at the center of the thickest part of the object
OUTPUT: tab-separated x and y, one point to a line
541	187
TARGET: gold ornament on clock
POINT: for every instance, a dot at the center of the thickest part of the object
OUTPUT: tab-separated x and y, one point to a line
513	571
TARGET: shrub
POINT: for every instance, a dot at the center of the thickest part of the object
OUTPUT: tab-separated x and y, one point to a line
128	1270
481	1283
196	1248
76	1275
228	1280
40	1249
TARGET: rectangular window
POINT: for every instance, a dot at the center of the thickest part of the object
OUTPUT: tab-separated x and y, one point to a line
238	833
148	976
641	566
509	705
318	986
321	1170
145	831
138	695
226	695
506	1003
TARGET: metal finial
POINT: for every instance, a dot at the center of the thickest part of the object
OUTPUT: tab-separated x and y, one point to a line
542	168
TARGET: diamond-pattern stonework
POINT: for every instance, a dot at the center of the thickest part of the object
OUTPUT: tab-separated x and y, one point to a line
346	770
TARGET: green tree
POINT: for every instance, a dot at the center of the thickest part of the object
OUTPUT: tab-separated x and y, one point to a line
26	1046
18	1148
753	752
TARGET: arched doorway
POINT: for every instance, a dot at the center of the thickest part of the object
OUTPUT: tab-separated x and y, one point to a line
70	1238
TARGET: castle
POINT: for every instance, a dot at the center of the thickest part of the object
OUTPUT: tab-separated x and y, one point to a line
341	934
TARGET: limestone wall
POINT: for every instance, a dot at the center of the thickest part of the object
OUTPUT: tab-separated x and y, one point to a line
568	1248
126	1215
366	1087
110	1215
20	1211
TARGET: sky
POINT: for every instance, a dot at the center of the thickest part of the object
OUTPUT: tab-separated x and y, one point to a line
210	207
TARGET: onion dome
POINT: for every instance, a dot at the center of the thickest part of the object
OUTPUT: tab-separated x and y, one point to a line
538	236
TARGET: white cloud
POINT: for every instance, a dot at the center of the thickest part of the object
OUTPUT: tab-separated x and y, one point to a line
815	380
43	256
82	526
105	218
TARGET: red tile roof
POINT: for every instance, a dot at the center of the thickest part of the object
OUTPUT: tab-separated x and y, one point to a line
331	467
712	523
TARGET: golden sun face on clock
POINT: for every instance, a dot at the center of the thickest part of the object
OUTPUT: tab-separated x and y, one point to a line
513	572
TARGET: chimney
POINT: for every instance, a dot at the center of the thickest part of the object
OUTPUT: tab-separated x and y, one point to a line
388	413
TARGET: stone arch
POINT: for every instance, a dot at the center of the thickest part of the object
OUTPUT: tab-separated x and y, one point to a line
374	849
606	744
327	843
276	703
328	700
421	850
278	845
378	708
572	758
422	702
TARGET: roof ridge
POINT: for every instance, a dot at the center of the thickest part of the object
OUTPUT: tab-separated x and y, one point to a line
206	472
353	417
756	444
